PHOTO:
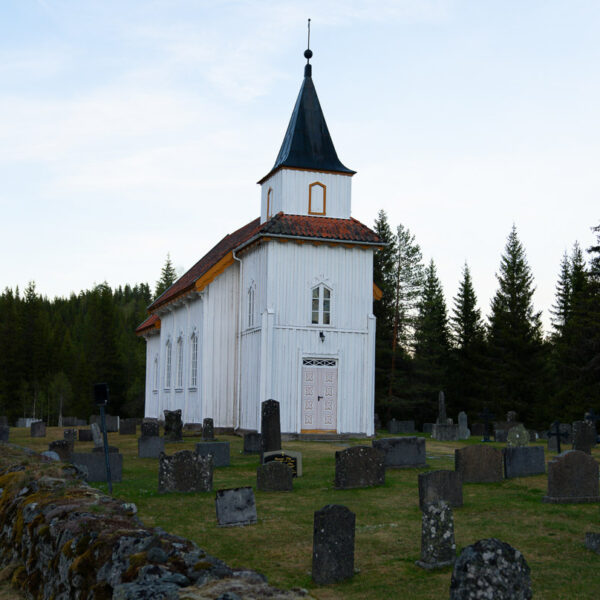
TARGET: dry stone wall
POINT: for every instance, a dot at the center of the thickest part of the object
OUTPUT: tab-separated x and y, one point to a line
63	539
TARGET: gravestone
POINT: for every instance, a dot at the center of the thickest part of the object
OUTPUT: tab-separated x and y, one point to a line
85	435
127	427
359	466
70	435
4	433
97	436
333	544
478	464
438	548
70	422
445	433
442	485
517	436
522	461
95	463
376	422
584	436
149	428
463	426
219	451
25	421
38	429
274	477
173	425
427	427
487	416
511	416
572	478
208	430
395	426
491	569
151	446
252	443
402	452
185	471
592	541
270	426
111	422
442	418
62	447
557	434
236	507
500	435
292	459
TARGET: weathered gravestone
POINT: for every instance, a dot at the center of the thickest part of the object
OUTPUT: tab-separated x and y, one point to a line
185	471
151	446
25	421
127	426
111	422
500	435
359	466
445	433
218	450
441	419
235	507
270	426
70	435
463	426
274	477
208	430
395	426
584	436
95	464
491	569
442	485
4	433
173	425
511	416
149	428
97	435
592	541
487	416
38	429
558	434
572	478
289	457
62	447
69	422
517	436
427	427
478	464
376	422
85	435
252	443
333	544
522	461
438	548
402	452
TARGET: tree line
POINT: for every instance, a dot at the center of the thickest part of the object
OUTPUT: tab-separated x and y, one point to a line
502	363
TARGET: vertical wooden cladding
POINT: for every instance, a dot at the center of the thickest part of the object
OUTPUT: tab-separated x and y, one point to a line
317	199
290	188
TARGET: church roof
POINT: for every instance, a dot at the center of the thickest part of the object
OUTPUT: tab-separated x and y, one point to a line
325	229
307	143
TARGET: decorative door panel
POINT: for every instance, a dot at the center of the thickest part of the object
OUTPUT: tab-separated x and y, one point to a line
309	398
319	395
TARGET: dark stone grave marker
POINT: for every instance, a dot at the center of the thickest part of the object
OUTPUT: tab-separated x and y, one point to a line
71	436
487	416
173	425
402	452
252	443
149	428
185	471
95	463
584	436
479	464
445	433
151	447
4	433
500	435
219	451
85	435
208	430
127	427
557	432
38	429
464	433
359	466
111	422
592	541
62	447
236	507
333	544
270	426
442	485
274	477
427	427
376	422
522	461
438	549
292	459
572	478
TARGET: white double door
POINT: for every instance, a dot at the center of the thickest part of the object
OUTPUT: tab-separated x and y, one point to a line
319	395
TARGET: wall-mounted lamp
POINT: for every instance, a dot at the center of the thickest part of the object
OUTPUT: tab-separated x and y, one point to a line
321	336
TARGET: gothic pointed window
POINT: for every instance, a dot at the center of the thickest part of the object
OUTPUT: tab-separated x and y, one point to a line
155	375
168	365
321	305
251	292
179	381
270	203
194	361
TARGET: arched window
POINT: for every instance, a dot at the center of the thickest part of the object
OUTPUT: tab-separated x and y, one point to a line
194	361
251	306
168	365
270	203
155	375
317	203
179	380
321	305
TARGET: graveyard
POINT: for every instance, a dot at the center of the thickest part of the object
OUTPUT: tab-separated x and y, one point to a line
387	518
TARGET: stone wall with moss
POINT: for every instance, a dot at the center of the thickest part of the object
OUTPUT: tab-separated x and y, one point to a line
62	539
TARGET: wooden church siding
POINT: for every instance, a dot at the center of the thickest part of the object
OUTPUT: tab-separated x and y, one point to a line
152	395
250	379
290	193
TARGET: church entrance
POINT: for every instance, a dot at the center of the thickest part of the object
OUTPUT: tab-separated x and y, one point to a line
319	395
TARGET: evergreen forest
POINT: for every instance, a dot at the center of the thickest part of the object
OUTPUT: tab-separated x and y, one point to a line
53	351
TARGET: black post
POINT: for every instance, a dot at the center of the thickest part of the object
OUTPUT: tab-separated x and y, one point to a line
101	400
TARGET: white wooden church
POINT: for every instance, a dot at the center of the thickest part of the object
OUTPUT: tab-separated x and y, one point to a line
281	308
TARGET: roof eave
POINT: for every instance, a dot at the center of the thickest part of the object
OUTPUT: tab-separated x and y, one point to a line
348	173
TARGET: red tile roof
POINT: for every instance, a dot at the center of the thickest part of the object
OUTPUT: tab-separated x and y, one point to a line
149	323
281	225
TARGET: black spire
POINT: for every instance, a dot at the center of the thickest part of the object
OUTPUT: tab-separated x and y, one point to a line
307	143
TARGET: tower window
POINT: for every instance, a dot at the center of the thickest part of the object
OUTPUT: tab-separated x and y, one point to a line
321	305
270	203
317	199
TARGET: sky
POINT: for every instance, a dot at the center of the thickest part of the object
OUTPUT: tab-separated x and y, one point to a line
133	129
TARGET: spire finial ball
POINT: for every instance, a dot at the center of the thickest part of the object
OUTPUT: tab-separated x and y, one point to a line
308	54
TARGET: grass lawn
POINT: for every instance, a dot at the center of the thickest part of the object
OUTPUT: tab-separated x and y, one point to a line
388	522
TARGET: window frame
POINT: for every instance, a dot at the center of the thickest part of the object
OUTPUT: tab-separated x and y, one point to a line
168	364
310	189
194	361
269	202
251	305
179	364
324	298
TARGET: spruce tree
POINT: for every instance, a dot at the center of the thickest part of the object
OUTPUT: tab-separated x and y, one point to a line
168	276
516	365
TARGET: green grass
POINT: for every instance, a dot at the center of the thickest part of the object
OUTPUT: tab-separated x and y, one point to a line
388	522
